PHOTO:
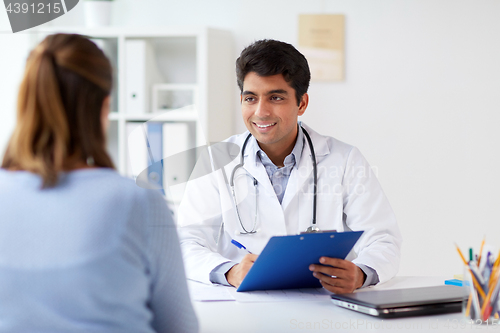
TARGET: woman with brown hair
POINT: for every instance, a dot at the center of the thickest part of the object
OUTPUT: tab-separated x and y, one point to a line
81	248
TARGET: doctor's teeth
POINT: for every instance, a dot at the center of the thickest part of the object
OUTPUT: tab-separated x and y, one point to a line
264	126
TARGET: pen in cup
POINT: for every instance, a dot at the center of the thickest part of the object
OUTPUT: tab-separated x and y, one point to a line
239	245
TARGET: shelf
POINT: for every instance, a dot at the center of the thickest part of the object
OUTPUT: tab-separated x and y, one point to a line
165	116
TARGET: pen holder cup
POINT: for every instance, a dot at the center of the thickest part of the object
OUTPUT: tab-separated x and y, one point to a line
481	307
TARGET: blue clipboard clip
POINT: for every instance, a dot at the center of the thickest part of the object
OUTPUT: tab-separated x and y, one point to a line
313	231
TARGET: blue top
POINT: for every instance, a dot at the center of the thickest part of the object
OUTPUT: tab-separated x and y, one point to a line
95	253
279	176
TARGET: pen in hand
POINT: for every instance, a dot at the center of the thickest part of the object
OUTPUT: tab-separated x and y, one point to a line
239	245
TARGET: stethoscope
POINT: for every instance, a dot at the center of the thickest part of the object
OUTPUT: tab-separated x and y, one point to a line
312	227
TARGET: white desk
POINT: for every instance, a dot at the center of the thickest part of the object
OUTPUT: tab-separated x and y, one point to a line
323	316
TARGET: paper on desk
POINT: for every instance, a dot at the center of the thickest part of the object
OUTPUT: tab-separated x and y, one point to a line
209	293
288	295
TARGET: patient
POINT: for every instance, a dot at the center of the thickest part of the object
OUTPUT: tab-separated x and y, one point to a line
81	248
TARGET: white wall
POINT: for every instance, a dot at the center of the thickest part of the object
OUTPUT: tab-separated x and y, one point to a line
421	101
12	56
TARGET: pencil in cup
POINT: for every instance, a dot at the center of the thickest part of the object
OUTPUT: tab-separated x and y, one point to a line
474	280
482	304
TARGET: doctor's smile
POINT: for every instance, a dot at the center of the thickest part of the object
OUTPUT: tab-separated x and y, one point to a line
264	128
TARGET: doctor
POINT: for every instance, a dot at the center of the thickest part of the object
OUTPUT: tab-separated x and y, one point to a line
274	188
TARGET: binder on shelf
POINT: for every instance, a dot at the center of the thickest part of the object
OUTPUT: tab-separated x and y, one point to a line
137	149
179	158
141	72
145	154
155	152
161	155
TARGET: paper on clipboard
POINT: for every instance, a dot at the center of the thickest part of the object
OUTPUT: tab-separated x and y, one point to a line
284	262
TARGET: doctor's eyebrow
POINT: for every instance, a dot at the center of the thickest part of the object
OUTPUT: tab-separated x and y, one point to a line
275	91
278	91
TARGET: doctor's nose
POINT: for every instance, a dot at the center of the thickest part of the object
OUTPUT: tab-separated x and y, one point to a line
262	109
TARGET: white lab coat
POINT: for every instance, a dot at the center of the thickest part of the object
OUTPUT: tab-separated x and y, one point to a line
349	198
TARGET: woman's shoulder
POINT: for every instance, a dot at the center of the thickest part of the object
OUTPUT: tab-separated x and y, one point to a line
99	179
94	187
105	181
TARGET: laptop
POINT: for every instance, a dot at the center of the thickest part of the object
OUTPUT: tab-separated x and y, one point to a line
404	302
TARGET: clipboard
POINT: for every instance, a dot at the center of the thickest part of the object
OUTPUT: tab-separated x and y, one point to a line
284	262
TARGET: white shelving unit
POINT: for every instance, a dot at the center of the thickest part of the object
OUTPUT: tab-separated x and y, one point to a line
194	63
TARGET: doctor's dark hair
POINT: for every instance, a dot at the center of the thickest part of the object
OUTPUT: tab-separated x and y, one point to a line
66	79
269	57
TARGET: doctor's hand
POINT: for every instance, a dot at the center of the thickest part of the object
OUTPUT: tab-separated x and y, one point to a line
238	272
338	276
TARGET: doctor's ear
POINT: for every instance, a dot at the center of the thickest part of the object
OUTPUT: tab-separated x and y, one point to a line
304	101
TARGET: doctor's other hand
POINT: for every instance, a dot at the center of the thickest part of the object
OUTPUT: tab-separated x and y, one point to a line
338	276
238	272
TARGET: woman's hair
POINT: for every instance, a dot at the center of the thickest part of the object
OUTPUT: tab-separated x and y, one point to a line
66	80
